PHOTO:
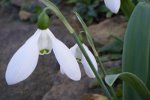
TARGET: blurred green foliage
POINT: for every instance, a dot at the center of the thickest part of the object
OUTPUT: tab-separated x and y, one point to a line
90	10
4	3
35	10
93	10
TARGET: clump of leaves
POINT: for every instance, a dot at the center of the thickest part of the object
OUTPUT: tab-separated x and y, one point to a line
4	3
90	10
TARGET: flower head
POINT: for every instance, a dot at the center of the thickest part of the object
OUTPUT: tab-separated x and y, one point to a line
113	5
78	54
24	61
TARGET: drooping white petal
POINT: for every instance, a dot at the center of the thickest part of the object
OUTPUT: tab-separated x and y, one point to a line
86	66
76	51
24	61
51	35
66	60
44	42
113	5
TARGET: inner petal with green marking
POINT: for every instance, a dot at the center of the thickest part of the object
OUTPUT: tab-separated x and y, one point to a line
44	43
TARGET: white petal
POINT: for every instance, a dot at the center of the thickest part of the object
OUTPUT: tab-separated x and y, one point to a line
44	42
86	66
66	60
51	35
113	5
76	51
24	61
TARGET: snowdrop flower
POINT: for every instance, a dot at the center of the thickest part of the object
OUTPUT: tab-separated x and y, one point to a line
113	5
78	54
24	61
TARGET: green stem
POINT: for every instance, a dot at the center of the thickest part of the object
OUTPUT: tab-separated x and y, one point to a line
101	65
52	7
90	40
71	30
99	79
109	87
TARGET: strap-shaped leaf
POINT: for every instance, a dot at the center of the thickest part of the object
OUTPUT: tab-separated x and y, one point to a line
136	48
133	81
88	34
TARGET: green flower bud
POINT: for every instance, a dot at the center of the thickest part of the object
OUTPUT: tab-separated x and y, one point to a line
43	21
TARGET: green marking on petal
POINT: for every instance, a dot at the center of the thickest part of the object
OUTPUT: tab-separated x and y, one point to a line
44	51
78	59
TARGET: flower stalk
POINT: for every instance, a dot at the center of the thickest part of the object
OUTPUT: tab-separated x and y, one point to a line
52	7
90	40
99	79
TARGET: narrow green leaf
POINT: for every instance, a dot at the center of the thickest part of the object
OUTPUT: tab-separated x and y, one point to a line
88	34
90	40
127	7
132	80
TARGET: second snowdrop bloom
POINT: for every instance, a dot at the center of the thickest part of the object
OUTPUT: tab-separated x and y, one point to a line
78	54
113	5
24	61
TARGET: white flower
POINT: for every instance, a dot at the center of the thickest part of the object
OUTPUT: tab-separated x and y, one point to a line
78	54
113	5
24	61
